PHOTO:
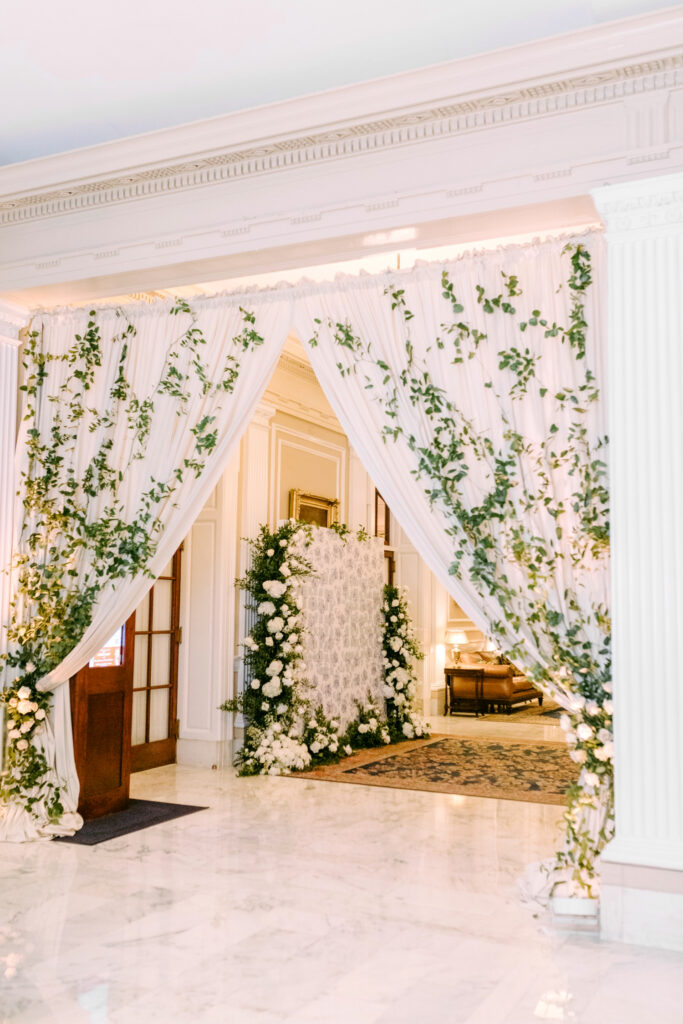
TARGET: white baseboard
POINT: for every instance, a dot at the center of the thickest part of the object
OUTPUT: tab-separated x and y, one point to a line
205	753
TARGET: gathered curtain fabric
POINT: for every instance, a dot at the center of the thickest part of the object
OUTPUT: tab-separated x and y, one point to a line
357	383
371	308
169	442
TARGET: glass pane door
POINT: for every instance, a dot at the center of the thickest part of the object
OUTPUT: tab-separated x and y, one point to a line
155	674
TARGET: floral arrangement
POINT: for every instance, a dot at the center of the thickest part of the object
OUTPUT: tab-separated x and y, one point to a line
284	732
401	650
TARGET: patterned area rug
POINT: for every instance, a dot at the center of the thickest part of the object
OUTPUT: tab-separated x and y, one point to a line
529	714
537	772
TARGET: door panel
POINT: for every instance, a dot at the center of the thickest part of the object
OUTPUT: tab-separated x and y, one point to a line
156	629
101	708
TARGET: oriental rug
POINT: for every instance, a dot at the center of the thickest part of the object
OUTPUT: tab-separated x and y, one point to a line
534	772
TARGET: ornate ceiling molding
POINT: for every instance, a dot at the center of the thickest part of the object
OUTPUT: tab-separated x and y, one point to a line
383	133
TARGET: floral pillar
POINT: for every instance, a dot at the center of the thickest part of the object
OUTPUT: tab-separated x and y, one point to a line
642	868
12	319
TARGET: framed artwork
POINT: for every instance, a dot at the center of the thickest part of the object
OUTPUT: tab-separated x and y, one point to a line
382	518
311	508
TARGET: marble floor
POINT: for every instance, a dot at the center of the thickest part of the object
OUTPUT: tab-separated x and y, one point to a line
302	902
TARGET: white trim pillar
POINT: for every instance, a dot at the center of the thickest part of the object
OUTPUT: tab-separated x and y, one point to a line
642	868
12	320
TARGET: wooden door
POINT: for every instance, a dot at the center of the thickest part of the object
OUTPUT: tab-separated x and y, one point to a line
155	627
101	708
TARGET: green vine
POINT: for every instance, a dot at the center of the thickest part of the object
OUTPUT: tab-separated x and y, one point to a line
511	534
69	552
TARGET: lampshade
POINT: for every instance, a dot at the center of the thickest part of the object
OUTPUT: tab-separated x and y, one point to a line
456	636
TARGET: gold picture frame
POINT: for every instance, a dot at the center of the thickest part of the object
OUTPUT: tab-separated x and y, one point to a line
312	508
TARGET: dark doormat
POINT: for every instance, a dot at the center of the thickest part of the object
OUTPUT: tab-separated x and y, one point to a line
138	814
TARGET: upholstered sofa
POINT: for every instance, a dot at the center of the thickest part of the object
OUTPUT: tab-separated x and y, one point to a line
481	682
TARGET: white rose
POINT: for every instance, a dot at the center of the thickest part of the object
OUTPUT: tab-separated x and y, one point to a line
363	727
23	693
608	707
395	603
275	588
283	543
396	643
255	683
275	625
580	756
13	701
266	608
584	731
334	747
264	706
348	749
373	724
285	570
605	752
281	708
270	552
22	745
314	747
592	707
393	619
29	667
24	707
298	650
14	734
40	714
607	687
273	688
591	779
275	668
408	730
27	725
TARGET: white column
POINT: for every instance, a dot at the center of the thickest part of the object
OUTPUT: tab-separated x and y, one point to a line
12	319
642	869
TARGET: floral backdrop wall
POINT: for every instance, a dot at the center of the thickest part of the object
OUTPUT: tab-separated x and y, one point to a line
341	620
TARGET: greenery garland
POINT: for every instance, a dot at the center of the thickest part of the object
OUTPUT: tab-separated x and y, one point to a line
284	731
61	538
517	520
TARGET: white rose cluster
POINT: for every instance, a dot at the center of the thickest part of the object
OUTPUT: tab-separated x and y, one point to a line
279	753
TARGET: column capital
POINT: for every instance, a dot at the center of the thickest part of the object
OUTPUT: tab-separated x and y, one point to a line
263	414
13	319
647	206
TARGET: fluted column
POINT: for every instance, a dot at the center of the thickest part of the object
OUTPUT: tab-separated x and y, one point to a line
12	319
642	869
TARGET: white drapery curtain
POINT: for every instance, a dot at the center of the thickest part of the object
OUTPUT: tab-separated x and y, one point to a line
169	442
361	302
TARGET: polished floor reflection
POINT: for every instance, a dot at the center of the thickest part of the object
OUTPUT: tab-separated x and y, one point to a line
309	903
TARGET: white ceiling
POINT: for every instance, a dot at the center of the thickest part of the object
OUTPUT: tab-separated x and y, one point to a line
78	72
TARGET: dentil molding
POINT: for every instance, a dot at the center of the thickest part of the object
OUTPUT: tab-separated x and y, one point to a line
480	148
386	132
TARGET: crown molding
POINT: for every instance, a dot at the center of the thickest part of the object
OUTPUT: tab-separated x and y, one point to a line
469	150
383	132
